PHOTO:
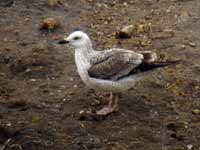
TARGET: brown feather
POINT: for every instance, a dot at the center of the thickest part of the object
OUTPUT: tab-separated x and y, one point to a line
118	64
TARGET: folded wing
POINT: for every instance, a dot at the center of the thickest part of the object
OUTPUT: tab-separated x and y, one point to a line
115	64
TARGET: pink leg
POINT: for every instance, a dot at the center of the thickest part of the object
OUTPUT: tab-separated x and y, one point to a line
110	107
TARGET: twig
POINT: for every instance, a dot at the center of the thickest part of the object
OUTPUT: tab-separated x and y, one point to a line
16	145
5	144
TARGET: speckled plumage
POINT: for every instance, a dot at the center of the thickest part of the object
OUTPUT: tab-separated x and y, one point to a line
112	70
101	73
108	70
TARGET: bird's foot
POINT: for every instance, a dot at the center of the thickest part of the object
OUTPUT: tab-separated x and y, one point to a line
111	107
106	110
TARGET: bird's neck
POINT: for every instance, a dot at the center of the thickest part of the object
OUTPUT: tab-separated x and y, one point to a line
85	50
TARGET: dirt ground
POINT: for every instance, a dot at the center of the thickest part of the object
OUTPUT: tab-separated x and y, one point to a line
41	93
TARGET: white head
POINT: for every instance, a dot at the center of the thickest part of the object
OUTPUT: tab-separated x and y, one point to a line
78	39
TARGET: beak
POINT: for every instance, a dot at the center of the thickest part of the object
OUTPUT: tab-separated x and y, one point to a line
64	41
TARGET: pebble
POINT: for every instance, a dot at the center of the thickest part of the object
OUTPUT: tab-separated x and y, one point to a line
89	115
33	80
183	46
125	4
53	3
9	124
83	115
192	44
18	103
125	32
196	111
5	40
189	147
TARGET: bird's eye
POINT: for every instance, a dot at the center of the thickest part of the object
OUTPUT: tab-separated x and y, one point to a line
76	38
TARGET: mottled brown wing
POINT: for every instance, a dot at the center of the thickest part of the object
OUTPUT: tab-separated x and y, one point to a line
115	65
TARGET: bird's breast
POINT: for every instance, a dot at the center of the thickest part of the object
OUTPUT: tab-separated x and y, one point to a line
82	66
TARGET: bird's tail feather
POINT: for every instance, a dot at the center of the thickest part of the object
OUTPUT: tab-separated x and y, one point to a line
141	70
157	64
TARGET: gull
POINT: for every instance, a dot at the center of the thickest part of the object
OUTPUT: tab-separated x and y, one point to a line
113	70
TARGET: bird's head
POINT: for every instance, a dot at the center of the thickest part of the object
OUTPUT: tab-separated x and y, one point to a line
78	39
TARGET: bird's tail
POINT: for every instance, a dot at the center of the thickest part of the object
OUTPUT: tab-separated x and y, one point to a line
144	67
151	62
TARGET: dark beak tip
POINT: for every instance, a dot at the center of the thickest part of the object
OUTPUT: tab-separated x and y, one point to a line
63	42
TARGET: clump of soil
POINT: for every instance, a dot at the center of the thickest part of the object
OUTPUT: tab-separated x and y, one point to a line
50	23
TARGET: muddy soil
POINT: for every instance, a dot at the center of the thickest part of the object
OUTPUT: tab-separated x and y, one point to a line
41	93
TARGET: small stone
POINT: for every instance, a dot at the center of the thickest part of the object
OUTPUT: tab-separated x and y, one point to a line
88	115
82	115
189	147
125	32
168	10
141	28
81	112
183	46
192	44
9	124
27	19
18	103
53	3
125	4
50	23
196	111
66	5
5	40
33	80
